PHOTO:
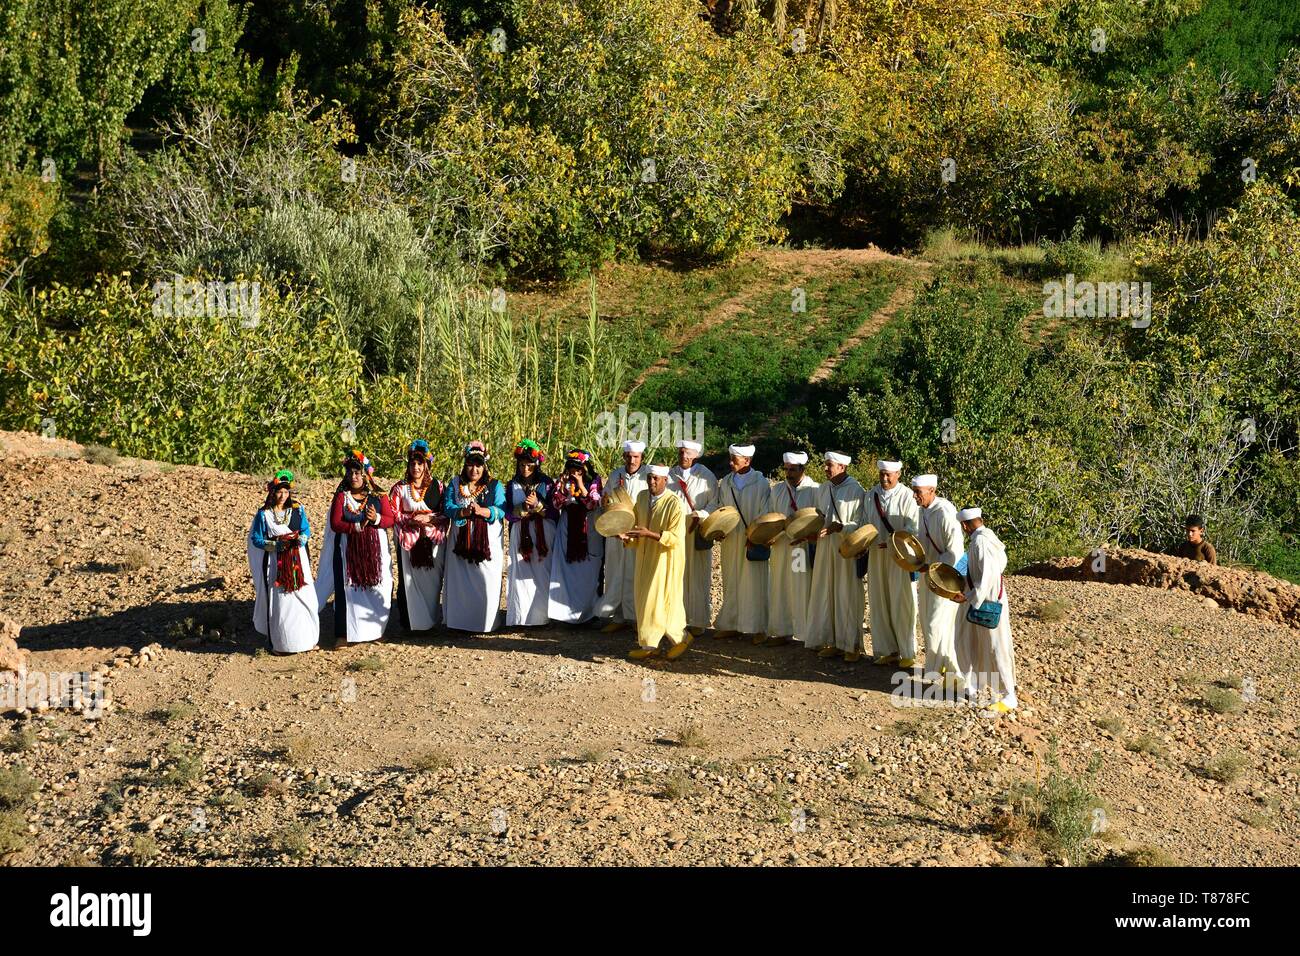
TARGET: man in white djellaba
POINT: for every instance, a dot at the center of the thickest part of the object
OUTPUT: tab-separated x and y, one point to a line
986	658
744	582
891	590
941	537
835	605
789	577
617	604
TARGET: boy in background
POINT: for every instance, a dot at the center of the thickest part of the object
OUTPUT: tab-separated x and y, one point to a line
1195	546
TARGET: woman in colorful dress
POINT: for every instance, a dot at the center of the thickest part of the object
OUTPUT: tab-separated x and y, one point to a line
475	506
530	517
355	564
579	550
421	528
285	609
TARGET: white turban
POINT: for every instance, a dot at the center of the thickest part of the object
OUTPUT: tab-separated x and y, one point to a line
744	451
925	481
966	514
837	458
635	447
693	447
794	458
883	465
659	471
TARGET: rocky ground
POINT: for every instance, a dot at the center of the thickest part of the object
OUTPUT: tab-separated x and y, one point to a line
548	746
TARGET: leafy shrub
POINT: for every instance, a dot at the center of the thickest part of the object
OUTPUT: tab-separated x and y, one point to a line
583	97
194	389
1056	813
17	786
13	832
1071	255
1227	766
1221	700
959	355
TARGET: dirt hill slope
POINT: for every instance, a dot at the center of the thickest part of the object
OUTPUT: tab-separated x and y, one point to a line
548	746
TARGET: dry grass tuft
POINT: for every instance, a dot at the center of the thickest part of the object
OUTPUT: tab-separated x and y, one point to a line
431	760
678	786
1227	766
692	736
99	455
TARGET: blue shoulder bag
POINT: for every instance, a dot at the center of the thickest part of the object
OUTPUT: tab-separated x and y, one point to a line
987	614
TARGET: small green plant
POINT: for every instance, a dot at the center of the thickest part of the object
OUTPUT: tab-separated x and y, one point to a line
1221	700
180	710
100	455
905	728
294	840
13	832
860	767
678	786
134	558
17	787
1146	855
1111	723
1057	609
1231	683
1056	813
20	740
929	798
1145	744
593	755
230	800
370	664
782	808
183	766
1073	255
143	849
299	749
1227	766
691	735
431	760
1257	819
266	785
111	800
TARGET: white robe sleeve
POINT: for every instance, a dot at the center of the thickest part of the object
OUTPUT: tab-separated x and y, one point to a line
846	508
950	537
987	562
704	501
911	515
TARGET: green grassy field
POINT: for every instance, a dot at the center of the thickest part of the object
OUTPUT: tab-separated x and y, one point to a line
646	307
750	368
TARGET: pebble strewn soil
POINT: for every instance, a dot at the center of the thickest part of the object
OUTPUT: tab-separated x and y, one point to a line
548	746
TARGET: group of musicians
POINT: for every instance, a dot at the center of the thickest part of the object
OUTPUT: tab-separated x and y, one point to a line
636	550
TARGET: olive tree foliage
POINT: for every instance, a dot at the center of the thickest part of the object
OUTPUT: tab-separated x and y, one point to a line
193	204
275	198
73	71
594	130
949	124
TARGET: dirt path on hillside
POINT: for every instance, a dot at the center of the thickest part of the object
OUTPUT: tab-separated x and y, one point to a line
897	301
788	266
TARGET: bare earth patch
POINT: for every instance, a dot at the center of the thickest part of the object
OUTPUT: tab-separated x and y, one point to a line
547	746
